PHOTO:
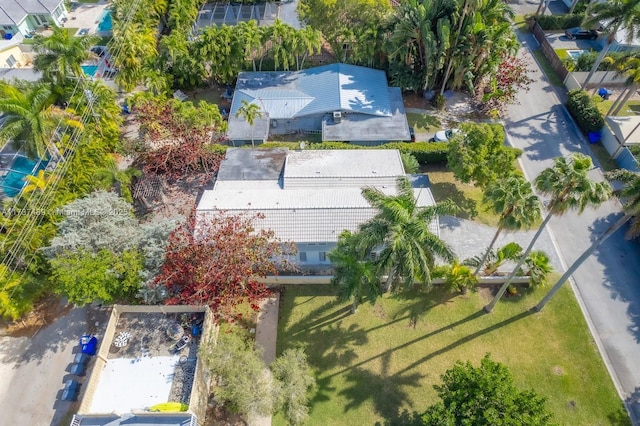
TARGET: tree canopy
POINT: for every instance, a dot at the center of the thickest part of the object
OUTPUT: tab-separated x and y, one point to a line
485	395
479	154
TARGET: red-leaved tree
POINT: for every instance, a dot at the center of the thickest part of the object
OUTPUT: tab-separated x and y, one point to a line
214	260
512	77
179	138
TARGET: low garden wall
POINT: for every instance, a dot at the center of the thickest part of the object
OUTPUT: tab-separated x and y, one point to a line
624	158
575	79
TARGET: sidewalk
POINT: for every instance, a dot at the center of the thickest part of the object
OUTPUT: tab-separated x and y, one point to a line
266	335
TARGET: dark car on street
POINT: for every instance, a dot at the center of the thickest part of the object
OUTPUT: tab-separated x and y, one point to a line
581	34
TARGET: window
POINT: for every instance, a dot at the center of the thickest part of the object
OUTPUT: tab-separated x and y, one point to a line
322	244
7	27
303	256
323	256
57	12
11	61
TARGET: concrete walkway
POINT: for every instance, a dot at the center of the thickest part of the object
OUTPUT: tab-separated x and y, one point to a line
266	336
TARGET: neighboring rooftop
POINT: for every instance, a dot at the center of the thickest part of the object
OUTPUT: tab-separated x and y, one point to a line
252	164
14	11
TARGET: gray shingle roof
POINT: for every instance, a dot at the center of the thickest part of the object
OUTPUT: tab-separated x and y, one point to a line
12	12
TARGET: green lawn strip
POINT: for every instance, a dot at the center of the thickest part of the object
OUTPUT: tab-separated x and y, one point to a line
520	21
629	109
388	356
423	123
546	68
603	157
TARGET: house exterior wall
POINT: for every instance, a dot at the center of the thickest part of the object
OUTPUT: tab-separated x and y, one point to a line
17	54
314	253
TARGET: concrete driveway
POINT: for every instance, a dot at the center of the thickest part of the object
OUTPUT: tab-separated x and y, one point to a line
33	370
560	41
607	283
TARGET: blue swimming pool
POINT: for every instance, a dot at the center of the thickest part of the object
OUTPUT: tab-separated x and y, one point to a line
105	23
12	183
89	70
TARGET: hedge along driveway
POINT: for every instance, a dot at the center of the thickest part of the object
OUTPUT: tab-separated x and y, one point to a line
386	358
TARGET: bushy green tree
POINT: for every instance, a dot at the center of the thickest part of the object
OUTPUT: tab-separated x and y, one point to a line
479	154
84	276
485	395
293	380
242	379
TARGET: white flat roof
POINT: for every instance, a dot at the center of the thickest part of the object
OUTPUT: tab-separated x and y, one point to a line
129	384
343	163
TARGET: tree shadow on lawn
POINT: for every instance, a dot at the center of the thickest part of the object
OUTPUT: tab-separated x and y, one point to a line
387	391
420	303
446	190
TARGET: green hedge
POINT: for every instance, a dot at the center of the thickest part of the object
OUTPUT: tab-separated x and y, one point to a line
425	152
584	111
559	22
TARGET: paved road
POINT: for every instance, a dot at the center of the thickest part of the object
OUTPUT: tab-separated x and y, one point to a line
33	370
608	283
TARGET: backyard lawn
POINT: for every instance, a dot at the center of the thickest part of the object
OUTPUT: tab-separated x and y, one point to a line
387	357
423	123
630	108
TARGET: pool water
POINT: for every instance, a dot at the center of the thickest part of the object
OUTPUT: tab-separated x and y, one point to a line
13	182
575	54
105	23
89	70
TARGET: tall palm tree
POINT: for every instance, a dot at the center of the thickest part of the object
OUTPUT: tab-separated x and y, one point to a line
569	188
513	200
32	122
249	111
630	195
400	233
629	67
251	35
615	15
59	56
354	276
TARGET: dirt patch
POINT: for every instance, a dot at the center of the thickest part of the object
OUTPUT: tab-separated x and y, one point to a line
218	415
486	293
378	312
558	371
458	106
44	312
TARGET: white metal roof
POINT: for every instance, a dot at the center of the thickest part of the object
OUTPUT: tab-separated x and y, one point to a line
343	163
625	129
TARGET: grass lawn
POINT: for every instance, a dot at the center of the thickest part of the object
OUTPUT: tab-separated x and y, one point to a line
629	109
468	197
423	123
388	356
520	22
603	157
546	68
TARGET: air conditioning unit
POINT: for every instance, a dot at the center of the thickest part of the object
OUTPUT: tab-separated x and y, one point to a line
337	117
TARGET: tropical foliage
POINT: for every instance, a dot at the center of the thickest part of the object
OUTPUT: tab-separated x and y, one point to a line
479	154
399	235
484	395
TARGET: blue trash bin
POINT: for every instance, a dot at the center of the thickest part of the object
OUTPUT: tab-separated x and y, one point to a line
594	137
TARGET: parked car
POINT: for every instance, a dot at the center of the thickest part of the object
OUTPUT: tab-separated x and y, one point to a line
444	135
100	51
581	34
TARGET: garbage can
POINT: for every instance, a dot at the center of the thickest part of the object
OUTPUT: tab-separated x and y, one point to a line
594	137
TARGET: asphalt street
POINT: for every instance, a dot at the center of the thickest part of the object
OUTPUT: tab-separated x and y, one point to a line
608	283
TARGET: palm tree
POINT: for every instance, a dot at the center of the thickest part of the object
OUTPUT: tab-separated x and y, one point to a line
59	56
630	194
538	267
630	67
309	42
38	182
570	188
111	176
399	233
513	200
250	112
354	276
32	122
251	35
458	277
138	48
615	15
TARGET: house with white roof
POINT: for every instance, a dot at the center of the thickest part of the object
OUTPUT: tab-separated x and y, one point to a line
339	101
307	197
24	16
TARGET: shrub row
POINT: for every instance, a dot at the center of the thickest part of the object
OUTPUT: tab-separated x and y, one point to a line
425	152
584	111
559	22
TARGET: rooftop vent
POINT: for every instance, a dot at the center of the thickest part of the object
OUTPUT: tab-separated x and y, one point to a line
337	117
